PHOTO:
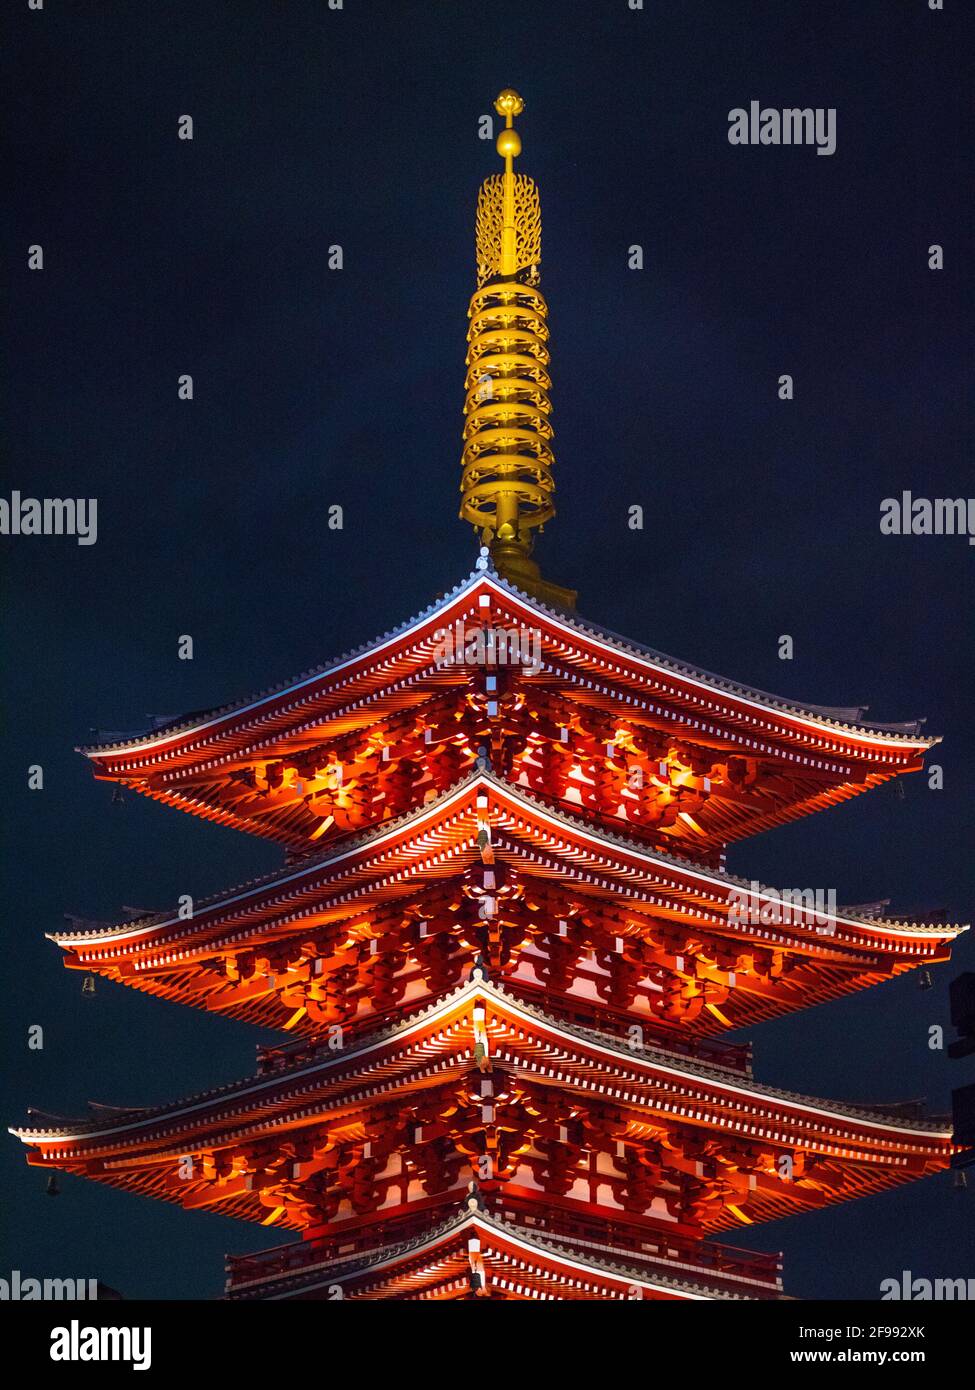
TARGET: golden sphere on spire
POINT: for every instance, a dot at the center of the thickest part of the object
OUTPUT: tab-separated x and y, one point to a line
509	144
509	103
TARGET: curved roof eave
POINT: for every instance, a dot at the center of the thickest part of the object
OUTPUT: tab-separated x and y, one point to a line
677	1065
842	721
389	829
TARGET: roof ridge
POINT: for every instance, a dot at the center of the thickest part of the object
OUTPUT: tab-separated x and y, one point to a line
826	713
188	721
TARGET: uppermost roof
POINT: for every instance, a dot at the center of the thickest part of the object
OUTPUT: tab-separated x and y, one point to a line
829	727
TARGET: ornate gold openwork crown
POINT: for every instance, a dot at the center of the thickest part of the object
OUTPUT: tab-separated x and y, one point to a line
490	226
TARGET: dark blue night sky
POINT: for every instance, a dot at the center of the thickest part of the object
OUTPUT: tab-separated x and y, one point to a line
314	387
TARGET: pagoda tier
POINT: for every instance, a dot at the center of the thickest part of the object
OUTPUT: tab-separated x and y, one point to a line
519	1254
677	756
559	907
561	1123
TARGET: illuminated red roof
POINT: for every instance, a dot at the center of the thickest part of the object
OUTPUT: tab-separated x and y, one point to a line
266	950
260	765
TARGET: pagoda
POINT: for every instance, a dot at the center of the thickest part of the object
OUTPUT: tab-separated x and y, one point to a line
503	946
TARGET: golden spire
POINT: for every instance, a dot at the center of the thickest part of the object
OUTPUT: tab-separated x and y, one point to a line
507	483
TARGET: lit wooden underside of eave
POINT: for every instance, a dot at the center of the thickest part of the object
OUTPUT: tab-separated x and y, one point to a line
206	788
594	658
746	1010
727	821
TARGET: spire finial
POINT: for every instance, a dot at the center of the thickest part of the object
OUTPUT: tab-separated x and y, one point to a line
509	104
507	482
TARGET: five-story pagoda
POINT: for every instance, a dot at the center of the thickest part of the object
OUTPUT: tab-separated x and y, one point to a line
504	942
